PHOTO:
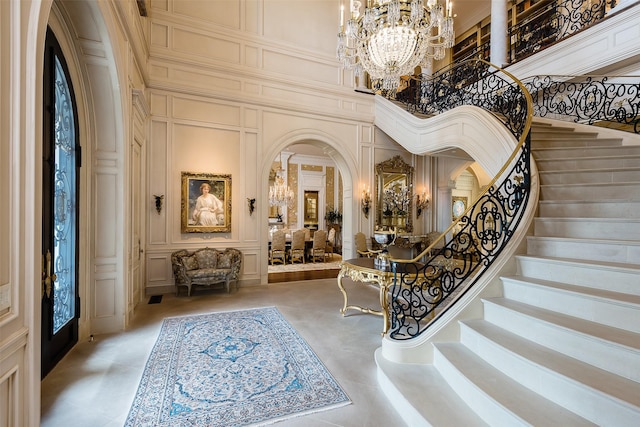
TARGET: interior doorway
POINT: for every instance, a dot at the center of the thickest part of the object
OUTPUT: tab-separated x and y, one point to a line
316	182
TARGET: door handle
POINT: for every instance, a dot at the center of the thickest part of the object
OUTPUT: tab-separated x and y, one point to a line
47	277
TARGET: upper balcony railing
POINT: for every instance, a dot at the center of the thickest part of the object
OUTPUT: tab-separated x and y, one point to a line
469	246
553	21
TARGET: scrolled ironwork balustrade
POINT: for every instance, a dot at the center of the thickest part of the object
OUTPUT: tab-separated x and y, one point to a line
422	292
587	99
554	21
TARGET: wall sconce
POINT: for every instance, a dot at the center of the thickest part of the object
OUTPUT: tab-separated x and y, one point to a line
422	203
366	202
252	205
159	200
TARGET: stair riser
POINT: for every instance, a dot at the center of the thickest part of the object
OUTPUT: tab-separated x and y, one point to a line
483	405
571	142
587	229
593	209
592	164
610	313
590	177
555	153
623	281
596	250
626	191
589	349
576	397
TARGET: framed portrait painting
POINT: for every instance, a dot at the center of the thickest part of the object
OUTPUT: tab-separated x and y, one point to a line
206	203
458	206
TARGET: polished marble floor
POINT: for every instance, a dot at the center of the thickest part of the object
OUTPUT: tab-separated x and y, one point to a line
95	383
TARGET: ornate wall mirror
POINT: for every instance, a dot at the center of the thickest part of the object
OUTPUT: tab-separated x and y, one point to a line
311	209
394	194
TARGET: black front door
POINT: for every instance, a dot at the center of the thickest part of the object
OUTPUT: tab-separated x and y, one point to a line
60	165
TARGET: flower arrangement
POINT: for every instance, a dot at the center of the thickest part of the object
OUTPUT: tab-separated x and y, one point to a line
333	216
396	200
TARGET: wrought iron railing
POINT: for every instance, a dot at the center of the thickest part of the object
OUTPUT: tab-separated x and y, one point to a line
588	99
551	21
470	245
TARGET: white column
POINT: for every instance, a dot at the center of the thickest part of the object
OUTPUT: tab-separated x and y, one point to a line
499	34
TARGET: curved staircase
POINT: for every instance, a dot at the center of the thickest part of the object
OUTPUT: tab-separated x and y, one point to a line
561	346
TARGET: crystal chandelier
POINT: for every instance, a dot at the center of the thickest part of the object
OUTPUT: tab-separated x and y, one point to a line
393	37
279	193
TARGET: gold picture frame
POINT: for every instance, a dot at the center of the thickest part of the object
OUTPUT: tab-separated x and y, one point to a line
458	206
206	210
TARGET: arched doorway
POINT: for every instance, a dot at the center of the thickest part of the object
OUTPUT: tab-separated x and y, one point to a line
305	145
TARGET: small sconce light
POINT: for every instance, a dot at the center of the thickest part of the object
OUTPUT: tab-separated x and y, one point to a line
252	205
422	203
159	200
366	202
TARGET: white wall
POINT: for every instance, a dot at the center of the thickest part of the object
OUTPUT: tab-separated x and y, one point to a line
226	96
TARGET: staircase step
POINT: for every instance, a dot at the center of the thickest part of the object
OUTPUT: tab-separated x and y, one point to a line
609	250
595	176
554	131
608	191
593	228
590	392
554	153
622	278
496	398
572	140
589	208
607	307
612	349
435	405
593	163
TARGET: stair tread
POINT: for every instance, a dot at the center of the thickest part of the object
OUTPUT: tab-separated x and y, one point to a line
602	332
603	265
620	388
593	184
590	170
587	240
587	202
438	403
590	147
570	159
617	297
588	219
514	397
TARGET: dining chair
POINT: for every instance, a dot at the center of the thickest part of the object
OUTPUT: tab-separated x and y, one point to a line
278	248
296	253
319	244
331	240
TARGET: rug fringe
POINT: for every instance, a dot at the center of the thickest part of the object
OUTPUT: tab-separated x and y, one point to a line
301	414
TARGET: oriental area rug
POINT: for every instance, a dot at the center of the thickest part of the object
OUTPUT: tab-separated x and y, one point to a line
238	368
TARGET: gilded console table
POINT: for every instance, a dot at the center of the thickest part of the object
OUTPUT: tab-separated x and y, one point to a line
363	270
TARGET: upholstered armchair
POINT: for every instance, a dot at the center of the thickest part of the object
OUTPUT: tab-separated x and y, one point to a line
361	245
